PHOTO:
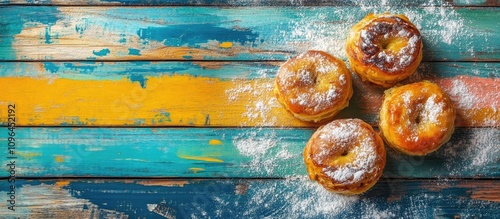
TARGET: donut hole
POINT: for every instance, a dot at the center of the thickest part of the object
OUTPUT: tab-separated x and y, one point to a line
384	44
345	153
418	119
393	44
307	75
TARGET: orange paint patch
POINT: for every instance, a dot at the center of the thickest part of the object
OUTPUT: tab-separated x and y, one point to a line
215	142
226	45
62	183
59	159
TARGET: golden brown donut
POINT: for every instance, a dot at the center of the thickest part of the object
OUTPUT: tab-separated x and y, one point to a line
417	118
384	48
313	86
345	156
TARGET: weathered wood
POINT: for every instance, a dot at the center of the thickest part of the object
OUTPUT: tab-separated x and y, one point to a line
289	198
207	94
222	152
233	33
361	3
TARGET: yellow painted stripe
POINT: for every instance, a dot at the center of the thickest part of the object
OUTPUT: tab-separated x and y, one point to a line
196	169
167	100
177	101
207	159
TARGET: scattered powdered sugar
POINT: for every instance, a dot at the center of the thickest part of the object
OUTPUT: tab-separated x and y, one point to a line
372	212
363	164
469	99
461	95
306	86
388	30
346	135
341	133
321	203
407	100
432	110
257	108
308	199
319	101
258	147
327	30
477	149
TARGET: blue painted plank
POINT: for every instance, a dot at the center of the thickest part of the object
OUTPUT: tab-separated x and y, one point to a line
286	198
233	33
223	152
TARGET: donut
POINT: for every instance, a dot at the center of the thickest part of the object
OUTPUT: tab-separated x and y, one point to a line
384	48
416	118
345	156
313	86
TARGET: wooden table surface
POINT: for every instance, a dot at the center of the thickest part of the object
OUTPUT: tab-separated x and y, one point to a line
164	109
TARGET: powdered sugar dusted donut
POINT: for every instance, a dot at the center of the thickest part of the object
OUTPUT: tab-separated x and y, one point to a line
416	118
345	156
314	86
384	48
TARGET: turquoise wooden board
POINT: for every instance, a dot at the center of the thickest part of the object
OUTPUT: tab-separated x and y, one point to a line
363	3
244	198
233	33
223	152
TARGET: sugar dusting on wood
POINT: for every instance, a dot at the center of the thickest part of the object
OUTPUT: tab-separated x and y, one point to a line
309	199
257	108
323	32
257	148
476	150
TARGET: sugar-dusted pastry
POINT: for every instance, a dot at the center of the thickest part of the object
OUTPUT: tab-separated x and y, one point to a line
416	118
384	48
314	86
345	156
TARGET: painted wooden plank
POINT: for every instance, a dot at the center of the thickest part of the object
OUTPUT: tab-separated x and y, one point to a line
207	94
221	152
288	198
362	3
229	33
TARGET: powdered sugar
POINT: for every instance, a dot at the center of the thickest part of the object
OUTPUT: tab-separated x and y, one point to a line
327	30
257	108
477	149
303	80
346	138
363	163
377	37
461	95
257	144
432	110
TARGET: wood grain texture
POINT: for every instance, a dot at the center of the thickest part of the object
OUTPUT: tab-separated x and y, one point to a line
223	152
233	33
288	198
363	3
208	94
164	109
